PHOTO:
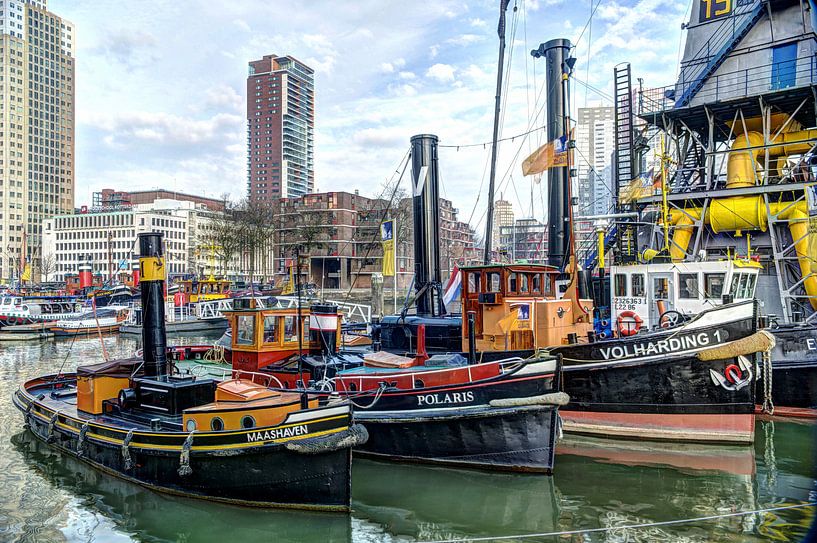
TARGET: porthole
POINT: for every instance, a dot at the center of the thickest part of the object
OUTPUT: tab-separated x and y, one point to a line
247	422
418	383
352	387
216	424
190	425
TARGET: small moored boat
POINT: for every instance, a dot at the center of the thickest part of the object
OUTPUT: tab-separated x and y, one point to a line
233	441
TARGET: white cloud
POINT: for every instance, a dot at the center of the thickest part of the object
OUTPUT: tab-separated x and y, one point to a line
441	72
173	110
465	39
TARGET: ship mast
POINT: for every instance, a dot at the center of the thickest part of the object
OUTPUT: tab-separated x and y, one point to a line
489	226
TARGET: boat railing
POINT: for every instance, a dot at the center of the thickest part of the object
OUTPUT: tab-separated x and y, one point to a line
353	312
212	309
752	81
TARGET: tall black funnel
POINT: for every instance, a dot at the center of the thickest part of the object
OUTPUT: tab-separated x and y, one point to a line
555	53
426	209
152	283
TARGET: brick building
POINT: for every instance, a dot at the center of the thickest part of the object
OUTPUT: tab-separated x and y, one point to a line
341	233
280	129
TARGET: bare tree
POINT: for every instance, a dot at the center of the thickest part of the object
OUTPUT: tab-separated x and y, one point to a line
255	227
223	237
48	265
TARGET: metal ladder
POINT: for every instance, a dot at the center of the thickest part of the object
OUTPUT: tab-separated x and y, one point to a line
624	156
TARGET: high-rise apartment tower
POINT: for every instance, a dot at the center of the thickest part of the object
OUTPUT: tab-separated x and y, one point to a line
280	128
37	92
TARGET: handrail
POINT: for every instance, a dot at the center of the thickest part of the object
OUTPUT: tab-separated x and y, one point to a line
750	81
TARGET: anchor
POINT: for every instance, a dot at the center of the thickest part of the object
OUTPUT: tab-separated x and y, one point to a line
733	376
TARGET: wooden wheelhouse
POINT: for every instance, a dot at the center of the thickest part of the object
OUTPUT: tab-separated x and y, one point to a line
201	290
520	307
262	337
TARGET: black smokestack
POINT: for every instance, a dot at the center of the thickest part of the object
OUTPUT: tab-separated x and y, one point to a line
425	192
152	271
555	53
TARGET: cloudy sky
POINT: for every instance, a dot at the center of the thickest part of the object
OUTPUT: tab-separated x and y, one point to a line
161	85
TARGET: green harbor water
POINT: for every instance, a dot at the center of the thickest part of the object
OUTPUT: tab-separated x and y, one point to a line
46	496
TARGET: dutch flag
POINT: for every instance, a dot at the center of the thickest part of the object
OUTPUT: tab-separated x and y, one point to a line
454	286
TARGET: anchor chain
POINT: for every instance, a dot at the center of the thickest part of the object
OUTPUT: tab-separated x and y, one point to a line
184	458
768	405
126	450
81	441
51	423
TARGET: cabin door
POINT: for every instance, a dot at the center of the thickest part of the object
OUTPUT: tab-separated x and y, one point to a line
662	297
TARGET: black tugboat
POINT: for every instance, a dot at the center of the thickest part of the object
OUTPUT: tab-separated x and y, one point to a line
233	441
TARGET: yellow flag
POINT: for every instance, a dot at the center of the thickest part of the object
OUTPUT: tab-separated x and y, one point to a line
553	154
289	287
26	273
539	161
387	239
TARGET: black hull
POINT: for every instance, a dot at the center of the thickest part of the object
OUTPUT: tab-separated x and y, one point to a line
456	425
267	478
242	468
654	386
502	439
669	386
794	371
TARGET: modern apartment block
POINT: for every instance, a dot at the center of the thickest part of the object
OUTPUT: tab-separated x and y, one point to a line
594	143
37	67
594	148
503	217
280	129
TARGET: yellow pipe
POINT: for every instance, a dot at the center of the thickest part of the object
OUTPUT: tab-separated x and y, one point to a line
804	245
683	233
740	168
740	213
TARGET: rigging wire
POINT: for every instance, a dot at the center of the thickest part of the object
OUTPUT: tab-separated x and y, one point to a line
629	526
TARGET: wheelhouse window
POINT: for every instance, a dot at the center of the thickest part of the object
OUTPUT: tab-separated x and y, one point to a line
245	327
523	283
290	334
688	286
746	286
637	285
713	284
733	288
473	282
660	288
620	285
270	329
513	282
536	283
751	282
493	283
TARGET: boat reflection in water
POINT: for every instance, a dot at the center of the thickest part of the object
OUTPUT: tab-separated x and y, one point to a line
700	457
144	515
432	503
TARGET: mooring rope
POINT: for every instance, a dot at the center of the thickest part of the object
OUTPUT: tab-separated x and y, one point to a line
626	527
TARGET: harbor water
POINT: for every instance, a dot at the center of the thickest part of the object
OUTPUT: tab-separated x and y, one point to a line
611	485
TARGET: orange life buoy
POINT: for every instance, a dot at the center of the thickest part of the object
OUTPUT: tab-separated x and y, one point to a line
629	323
